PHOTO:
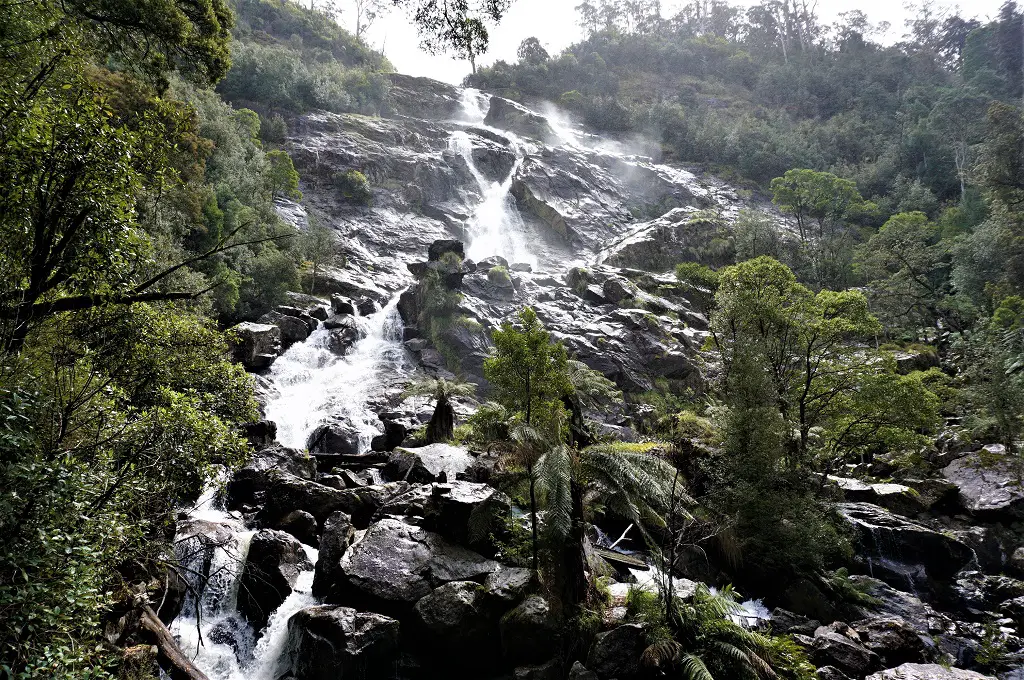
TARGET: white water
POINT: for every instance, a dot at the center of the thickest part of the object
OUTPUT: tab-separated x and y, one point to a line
314	384
210	630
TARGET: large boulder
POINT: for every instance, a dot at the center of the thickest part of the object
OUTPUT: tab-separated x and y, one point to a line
299	524
286	493
508	585
930	671
426	463
293	329
393	564
248	485
456	621
337	536
336	643
893	639
254	345
335	437
272	566
896	498
888	538
467	513
616	653
442	246
530	633
508	115
840	647
989	484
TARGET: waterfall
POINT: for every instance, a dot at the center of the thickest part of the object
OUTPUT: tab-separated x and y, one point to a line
315	384
209	629
495	227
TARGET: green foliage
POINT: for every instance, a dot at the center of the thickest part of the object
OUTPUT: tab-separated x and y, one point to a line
319	246
354	187
498	275
698	275
529	372
281	176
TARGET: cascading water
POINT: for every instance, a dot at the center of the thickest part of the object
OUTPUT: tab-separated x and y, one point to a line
209	629
315	384
496	227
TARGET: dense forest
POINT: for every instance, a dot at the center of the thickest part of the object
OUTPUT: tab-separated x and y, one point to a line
861	320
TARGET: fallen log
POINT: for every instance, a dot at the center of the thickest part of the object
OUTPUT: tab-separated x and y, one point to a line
169	654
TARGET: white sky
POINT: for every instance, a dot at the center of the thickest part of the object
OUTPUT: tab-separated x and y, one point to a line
553	22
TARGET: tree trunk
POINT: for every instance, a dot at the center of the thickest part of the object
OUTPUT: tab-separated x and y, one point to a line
441	427
533	515
574	558
171	658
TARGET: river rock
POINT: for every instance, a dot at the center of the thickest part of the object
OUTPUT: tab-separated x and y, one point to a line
337	536
580	672
552	670
988	483
508	585
272	566
293	329
248	484
328	643
342	306
616	653
310	305
830	647
426	463
393	564
530	633
894	640
457	623
335	437
930	671
894	497
254	345
299	524
831	673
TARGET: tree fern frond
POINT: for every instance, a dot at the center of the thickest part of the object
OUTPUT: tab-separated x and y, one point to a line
661	653
554	475
693	668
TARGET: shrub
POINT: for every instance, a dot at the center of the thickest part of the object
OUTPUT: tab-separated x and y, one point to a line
697	275
499	276
354	187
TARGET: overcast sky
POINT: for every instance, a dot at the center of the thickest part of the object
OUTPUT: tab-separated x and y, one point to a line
553	22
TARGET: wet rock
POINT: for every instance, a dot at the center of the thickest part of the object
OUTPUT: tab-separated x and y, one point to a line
423	97
248	485
393	564
907	362
287	493
894	640
618	289
894	497
308	304
988	483
831	673
254	345
272	565
931	671
335	437
508	585
580	672
299	524
329	642
425	463
344	332
530	633
677	236
457	622
438	248
337	536
986	547
394	434
292	329
937	495
1015	562
311	322
508	115
342	306
261	434
616	653
832	648
786	622
887	536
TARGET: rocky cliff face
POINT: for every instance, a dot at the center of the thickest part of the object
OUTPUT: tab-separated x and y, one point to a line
497	206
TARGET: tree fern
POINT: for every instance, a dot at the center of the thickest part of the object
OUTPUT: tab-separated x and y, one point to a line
693	668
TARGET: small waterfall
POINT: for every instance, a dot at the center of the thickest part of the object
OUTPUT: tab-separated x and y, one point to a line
209	629
496	227
315	384
474	106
